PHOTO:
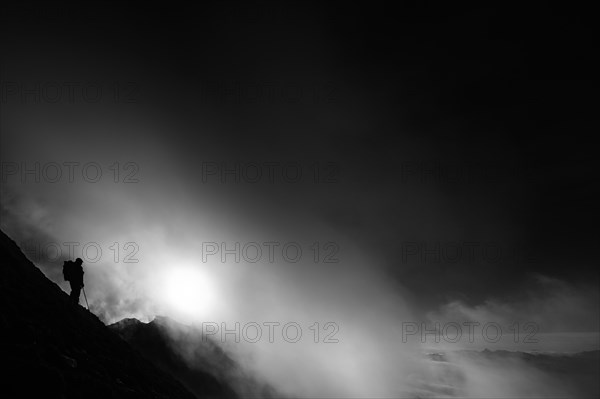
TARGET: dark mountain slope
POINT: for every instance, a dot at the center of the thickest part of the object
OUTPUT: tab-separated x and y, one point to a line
153	341
54	349
200	364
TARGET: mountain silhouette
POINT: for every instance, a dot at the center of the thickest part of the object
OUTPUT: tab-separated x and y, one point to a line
200	364
56	349
574	375
154	343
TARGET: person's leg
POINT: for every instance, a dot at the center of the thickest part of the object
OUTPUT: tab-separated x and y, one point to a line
72	290
75	292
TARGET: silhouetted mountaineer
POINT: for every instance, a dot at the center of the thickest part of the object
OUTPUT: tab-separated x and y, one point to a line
52	351
73	273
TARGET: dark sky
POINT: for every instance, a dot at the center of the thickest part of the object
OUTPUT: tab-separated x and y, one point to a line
440	125
454	148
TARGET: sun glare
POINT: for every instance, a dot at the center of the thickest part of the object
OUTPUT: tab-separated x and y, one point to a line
188	291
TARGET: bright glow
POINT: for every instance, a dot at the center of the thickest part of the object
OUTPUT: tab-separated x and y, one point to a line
188	291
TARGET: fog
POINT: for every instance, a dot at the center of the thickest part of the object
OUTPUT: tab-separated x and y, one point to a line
396	136
365	356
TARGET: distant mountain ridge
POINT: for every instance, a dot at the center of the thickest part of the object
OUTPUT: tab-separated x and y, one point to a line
576	373
201	365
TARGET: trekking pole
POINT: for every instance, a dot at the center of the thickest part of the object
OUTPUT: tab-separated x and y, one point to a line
85	297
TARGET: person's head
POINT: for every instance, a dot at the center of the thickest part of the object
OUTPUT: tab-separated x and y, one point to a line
78	261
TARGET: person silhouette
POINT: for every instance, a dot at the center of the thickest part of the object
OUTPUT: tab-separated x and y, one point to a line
76	280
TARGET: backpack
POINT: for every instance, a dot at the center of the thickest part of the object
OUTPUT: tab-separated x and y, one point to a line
68	270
